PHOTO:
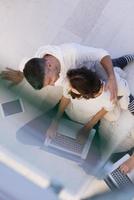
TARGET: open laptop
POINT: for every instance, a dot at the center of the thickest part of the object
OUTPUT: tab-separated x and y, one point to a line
11	107
65	139
115	179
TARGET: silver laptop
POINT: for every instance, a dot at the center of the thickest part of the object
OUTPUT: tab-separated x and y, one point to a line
65	139
11	107
117	179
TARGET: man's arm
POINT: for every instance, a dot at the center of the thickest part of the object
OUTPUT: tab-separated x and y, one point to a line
24	89
14	76
86	53
111	84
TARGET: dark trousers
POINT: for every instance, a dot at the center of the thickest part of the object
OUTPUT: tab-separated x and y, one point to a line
122	62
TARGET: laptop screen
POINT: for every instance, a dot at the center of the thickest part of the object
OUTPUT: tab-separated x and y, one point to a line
12	107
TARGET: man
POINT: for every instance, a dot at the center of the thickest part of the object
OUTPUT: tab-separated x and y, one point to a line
51	63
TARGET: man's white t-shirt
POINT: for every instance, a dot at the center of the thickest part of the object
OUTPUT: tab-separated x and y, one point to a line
71	55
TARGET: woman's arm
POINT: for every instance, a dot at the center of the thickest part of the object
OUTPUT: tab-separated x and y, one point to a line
84	132
51	132
95	119
62	106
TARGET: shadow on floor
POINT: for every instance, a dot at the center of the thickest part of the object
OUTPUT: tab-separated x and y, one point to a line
33	133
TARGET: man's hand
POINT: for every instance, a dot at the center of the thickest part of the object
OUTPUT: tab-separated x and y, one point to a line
111	85
14	76
51	132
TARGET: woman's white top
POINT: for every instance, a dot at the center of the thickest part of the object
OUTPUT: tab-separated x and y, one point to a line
82	110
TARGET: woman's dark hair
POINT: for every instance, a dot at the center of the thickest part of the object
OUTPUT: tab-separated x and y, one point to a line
85	81
34	72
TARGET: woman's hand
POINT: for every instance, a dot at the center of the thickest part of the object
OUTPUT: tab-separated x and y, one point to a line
14	76
128	165
83	134
52	130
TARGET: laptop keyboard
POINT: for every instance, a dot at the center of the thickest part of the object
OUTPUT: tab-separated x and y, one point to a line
120	178
68	143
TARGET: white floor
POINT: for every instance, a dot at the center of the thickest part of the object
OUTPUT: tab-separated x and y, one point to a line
27	25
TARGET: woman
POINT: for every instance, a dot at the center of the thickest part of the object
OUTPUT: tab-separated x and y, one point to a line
84	93
85	101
